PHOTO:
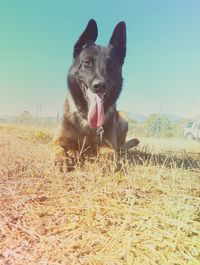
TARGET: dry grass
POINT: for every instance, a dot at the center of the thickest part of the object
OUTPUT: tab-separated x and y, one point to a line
145	214
172	144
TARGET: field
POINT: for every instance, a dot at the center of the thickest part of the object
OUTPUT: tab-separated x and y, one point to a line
148	213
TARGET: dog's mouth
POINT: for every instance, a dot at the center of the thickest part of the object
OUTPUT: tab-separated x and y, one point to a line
96	115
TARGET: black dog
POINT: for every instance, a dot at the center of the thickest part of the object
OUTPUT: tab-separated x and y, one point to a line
90	119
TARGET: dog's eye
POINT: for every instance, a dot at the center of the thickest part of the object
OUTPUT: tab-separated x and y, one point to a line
88	62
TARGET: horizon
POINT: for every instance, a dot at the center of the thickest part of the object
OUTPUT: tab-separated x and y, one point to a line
131	115
161	70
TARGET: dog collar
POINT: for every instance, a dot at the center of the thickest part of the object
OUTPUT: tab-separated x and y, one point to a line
100	133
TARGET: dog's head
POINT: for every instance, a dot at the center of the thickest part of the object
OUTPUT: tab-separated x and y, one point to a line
95	77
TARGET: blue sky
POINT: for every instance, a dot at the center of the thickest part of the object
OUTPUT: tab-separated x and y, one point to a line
161	70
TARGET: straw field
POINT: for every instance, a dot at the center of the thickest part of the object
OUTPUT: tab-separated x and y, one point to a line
147	213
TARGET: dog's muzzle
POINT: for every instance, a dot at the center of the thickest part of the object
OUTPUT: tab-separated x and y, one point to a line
95	100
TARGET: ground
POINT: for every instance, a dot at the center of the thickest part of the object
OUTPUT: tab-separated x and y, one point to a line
148	213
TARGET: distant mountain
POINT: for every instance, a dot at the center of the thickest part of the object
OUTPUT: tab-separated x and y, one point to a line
136	116
172	118
7	118
141	118
34	120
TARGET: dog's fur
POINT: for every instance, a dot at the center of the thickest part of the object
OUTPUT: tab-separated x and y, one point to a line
96	72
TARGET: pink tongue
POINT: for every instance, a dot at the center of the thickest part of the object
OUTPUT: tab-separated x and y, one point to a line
96	115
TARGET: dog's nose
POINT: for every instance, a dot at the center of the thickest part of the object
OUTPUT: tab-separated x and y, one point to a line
99	86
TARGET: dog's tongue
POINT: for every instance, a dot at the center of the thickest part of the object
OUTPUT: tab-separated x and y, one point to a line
96	115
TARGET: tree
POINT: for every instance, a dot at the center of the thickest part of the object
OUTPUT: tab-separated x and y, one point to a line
157	125
25	118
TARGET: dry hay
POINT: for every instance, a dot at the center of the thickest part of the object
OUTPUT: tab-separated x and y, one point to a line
145	214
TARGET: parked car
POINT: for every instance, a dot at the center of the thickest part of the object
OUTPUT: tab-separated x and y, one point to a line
192	130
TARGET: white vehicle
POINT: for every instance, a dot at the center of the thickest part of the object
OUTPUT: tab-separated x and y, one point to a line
192	130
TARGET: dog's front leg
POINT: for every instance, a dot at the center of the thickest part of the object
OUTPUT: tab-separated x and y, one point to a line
62	151
62	158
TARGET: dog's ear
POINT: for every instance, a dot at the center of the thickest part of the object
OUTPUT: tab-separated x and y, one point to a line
118	39
89	35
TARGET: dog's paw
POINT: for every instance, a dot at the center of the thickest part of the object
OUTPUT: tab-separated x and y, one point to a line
61	159
65	164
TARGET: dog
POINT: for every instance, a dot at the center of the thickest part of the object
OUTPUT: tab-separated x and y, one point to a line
90	120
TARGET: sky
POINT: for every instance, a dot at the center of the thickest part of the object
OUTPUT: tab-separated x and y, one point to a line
162	67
